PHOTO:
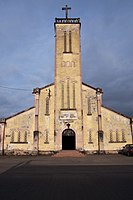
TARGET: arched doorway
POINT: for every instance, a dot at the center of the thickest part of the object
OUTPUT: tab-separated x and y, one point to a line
68	139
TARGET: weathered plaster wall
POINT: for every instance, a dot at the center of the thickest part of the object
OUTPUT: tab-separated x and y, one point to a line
117	130
116	127
18	138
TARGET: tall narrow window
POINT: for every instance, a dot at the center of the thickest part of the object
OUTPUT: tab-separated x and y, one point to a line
89	106
111	136
46	137
65	47
47	106
19	136
62	96
70	41
74	95
68	95
25	136
117	136
90	137
67	42
123	136
12	137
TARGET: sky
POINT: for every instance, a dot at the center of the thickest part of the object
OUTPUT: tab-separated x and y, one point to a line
27	49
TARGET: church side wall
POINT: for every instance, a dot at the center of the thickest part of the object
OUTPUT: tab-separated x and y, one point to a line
46	120
90	124
116	127
18	137
117	131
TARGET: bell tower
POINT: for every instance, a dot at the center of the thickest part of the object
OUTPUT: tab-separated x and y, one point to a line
68	79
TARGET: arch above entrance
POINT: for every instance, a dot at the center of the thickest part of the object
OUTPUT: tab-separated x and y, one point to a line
68	139
68	132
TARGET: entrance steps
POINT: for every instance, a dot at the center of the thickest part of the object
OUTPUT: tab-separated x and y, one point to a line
68	153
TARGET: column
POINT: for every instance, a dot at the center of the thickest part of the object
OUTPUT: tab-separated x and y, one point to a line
36	93
100	131
2	132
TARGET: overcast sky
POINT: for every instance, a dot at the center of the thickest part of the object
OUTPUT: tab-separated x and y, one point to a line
27	49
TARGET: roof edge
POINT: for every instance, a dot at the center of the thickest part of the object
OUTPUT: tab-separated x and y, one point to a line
46	86
116	112
19	112
89	86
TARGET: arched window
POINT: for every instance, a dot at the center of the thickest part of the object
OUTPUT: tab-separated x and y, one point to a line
70	41
46	137
47	106
62	95
111	136
65	48
117	136
67	42
12	137
90	137
68	94
123	136
89	106
74	104
25	136
19	136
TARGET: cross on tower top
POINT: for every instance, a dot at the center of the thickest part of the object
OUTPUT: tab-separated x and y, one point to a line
66	8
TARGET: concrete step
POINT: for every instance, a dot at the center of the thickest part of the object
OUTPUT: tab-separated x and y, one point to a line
68	153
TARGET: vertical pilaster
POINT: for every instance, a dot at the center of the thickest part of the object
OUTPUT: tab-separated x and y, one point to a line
2	132
36	93
68	94
100	131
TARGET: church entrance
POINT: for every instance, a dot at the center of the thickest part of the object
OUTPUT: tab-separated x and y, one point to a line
68	139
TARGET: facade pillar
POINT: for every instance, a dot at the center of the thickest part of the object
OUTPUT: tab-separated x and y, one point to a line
36	93
100	131
2	132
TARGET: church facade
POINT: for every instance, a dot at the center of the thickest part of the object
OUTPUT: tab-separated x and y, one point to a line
67	114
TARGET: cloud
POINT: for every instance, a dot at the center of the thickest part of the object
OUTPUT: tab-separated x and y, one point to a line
27	49
107	48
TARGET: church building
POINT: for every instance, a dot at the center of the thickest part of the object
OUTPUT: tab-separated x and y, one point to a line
67	114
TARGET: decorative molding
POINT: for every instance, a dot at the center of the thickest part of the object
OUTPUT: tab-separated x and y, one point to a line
67	21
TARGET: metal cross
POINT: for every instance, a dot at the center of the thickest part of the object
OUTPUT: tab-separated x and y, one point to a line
66	9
